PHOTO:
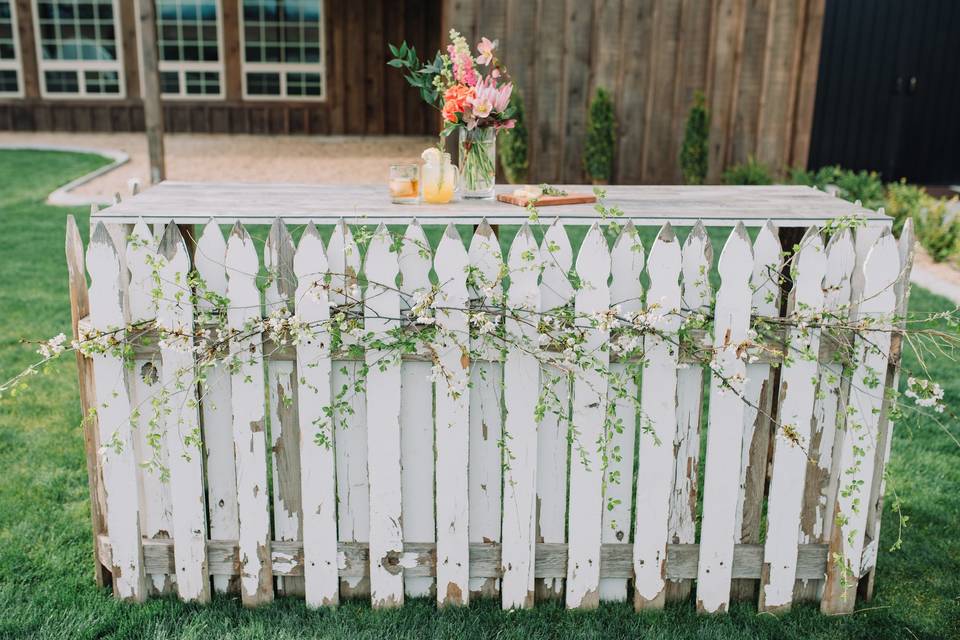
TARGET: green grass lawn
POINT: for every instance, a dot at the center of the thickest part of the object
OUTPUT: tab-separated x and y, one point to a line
46	579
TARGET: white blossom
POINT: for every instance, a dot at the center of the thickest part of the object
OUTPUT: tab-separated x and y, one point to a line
53	346
925	393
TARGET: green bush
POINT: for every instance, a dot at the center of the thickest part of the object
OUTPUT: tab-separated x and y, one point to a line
601	131
864	186
750	172
696	144
904	201
936	226
938	229
512	145
819	179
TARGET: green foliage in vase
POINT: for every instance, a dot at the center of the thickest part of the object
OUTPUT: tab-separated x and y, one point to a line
418	75
696	142
601	130
513	145
750	172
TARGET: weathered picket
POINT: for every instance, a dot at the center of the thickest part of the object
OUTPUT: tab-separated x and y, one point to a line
696	258
521	376
658	422
486	400
325	467
416	411
209	263
556	293
626	295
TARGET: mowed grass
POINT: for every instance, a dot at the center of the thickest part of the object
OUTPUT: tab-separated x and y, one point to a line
46	579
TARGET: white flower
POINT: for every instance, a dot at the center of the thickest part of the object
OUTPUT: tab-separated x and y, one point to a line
606	320
925	393
53	346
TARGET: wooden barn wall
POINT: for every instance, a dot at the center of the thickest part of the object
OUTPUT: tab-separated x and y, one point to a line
364	96
756	61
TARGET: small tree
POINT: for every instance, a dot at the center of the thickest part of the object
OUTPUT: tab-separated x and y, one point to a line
512	145
601	128
696	139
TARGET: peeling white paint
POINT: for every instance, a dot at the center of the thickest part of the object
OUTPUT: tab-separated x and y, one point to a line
383	429
797	395
117	465
658	398
210	262
725	430
521	373
589	409
317	462
250	445
556	291
453	423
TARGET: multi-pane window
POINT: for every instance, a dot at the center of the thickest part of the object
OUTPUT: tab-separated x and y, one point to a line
188	39
78	48
9	54
283	49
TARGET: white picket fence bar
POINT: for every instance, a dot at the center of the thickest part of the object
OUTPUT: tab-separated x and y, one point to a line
411	490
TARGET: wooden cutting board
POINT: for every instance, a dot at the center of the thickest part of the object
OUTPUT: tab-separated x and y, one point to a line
548	201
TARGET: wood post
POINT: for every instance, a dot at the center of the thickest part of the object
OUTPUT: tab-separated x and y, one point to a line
79	308
152	107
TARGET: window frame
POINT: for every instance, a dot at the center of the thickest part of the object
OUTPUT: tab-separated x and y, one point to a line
181	68
282	68
80	66
16	64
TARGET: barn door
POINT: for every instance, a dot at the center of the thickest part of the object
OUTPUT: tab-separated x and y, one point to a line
889	82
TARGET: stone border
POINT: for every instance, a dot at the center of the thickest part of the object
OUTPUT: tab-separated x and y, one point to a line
62	196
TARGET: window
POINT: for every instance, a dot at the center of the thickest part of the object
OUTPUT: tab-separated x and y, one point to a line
9	52
282	43
188	40
78	48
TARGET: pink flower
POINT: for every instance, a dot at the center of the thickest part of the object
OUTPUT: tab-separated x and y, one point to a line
463	70
502	98
482	108
484	99
485	47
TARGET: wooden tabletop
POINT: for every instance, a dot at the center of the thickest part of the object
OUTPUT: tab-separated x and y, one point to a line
198	202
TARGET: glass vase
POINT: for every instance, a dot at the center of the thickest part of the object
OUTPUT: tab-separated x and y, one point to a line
478	162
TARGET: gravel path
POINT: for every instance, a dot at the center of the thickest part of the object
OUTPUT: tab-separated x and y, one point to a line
232	158
940	278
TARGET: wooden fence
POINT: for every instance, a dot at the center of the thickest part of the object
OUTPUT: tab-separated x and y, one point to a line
756	62
455	486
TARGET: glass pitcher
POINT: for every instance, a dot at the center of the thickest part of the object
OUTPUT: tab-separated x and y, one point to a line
438	178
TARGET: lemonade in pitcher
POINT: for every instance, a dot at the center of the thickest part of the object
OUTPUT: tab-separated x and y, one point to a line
438	179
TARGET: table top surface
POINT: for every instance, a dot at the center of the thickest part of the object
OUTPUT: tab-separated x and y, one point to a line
198	202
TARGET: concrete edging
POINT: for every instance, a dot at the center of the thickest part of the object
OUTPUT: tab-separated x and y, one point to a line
62	196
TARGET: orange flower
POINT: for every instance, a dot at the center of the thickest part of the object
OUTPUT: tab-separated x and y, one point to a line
455	101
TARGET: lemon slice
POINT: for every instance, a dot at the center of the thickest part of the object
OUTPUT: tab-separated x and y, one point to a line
431	155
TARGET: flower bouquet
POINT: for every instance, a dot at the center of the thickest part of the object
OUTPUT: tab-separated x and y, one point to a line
473	95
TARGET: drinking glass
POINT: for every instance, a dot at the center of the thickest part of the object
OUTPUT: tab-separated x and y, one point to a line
404	183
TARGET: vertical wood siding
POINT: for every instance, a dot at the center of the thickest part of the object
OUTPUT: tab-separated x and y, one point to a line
756	61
